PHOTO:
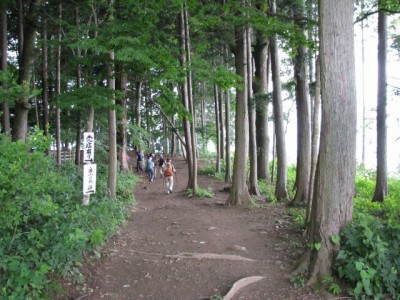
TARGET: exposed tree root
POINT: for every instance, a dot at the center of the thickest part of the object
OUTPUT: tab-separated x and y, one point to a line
241	284
201	256
210	256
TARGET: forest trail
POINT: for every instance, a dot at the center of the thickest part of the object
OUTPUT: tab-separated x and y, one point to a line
174	247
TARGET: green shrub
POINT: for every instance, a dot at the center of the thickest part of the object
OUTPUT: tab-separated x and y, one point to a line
44	229
200	193
211	171
369	258
267	190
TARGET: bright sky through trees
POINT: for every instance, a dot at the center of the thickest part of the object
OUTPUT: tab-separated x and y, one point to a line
370	96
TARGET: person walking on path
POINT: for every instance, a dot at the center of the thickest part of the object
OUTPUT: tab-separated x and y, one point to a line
160	164
139	161
169	172
150	169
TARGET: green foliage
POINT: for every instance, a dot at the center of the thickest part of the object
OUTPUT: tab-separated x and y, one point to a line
44	229
370	246
291	179
335	239
267	190
315	246
297	281
14	91
369	258
297	216
201	193
210	170
216	297
332	287
97	97
137	135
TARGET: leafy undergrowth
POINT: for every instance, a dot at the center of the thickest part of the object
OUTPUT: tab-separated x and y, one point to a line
44	230
369	259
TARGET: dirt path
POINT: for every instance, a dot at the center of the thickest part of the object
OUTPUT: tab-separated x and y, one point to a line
175	247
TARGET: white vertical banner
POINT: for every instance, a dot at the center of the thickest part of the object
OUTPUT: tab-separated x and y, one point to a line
89	179
88	147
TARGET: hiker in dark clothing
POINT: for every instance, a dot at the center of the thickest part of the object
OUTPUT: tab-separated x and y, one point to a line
139	162
160	164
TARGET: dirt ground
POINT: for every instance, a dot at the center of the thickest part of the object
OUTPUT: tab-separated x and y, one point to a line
178	248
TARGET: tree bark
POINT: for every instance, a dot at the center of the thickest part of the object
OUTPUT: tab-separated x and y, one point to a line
253	184
5	117
45	80
239	195
185	101
221	123
20	27
260	93
227	137
334	182
381	127
58	87
22	105
78	85
112	124
191	104
121	85
281	176
217	129
314	138
203	116
303	128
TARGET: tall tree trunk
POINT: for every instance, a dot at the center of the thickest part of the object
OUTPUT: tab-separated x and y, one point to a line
227	137
303	126
173	141
112	135
5	117
281	178
217	128
121	85
21	27
334	180
221	122
138	102
185	101
381	130
191	105
45	80
314	138
165	136
239	194
363	88
203	116
78	85
58	87
253	184
112	123
20	126
260	94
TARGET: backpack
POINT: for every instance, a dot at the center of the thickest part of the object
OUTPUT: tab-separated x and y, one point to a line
168	171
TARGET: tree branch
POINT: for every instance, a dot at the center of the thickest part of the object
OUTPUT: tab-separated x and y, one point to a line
366	15
170	123
295	19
